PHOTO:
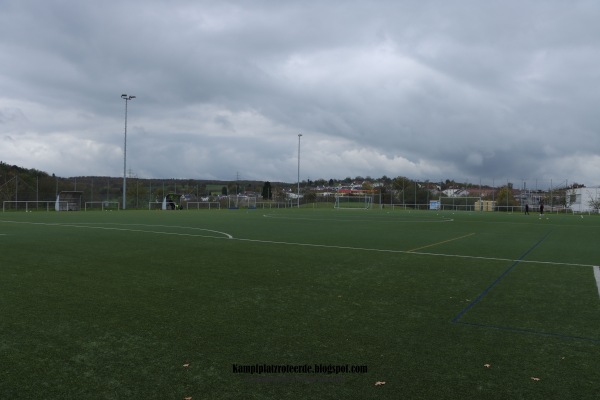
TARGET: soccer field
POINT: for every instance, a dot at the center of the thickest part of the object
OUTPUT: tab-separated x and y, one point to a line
326	304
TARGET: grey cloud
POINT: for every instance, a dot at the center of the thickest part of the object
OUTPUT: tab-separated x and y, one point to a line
470	89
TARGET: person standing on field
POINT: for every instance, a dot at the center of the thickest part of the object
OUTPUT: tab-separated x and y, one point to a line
541	208
526	209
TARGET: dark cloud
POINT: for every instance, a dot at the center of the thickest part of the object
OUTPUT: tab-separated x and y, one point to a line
431	90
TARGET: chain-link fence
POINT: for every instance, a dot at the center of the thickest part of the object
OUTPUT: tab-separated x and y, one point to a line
18	191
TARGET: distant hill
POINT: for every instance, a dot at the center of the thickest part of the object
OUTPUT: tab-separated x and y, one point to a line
23	184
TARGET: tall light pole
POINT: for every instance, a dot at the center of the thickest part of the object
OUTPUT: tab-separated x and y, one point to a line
298	194
126	98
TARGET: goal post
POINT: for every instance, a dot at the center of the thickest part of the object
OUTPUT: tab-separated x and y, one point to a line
461	204
353	202
235	202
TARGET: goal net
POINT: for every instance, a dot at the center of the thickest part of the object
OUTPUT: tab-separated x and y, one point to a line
461	203
236	202
353	202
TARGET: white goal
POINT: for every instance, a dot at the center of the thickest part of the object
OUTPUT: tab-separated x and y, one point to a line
360	202
239	201
461	204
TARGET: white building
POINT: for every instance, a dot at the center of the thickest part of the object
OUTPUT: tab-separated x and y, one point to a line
456	193
580	200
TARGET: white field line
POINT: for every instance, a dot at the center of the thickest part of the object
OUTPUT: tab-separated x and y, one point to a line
521	261
223	235
322	246
597	276
352	220
442	242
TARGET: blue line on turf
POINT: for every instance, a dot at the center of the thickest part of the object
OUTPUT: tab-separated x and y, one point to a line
507	328
530	331
487	290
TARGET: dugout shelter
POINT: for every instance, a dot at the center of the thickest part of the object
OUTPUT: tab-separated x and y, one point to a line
68	201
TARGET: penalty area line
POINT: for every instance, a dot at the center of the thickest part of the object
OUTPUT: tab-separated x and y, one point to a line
222	235
438	243
392	251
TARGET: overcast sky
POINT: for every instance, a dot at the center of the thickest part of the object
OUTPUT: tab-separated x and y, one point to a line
466	90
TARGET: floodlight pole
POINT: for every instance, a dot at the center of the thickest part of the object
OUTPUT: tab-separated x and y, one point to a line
126	98
298	194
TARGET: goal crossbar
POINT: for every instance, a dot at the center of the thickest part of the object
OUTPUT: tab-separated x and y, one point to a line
353	202
459	203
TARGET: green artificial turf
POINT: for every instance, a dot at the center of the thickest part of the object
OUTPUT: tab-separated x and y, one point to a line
112	305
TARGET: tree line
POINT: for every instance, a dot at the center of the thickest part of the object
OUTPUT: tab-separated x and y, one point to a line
22	184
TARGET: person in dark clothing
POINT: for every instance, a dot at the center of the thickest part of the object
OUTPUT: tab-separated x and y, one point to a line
541	208
526	209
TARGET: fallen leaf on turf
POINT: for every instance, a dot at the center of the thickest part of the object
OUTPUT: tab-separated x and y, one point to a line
535	379
487	365
379	383
187	398
186	365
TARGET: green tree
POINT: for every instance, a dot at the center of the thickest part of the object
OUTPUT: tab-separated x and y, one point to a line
559	198
386	180
267	192
310	196
595	204
410	192
505	198
280	195
401	185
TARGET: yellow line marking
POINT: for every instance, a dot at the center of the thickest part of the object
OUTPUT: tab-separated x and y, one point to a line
444	241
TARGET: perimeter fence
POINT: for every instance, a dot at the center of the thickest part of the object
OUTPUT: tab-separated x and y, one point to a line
29	193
